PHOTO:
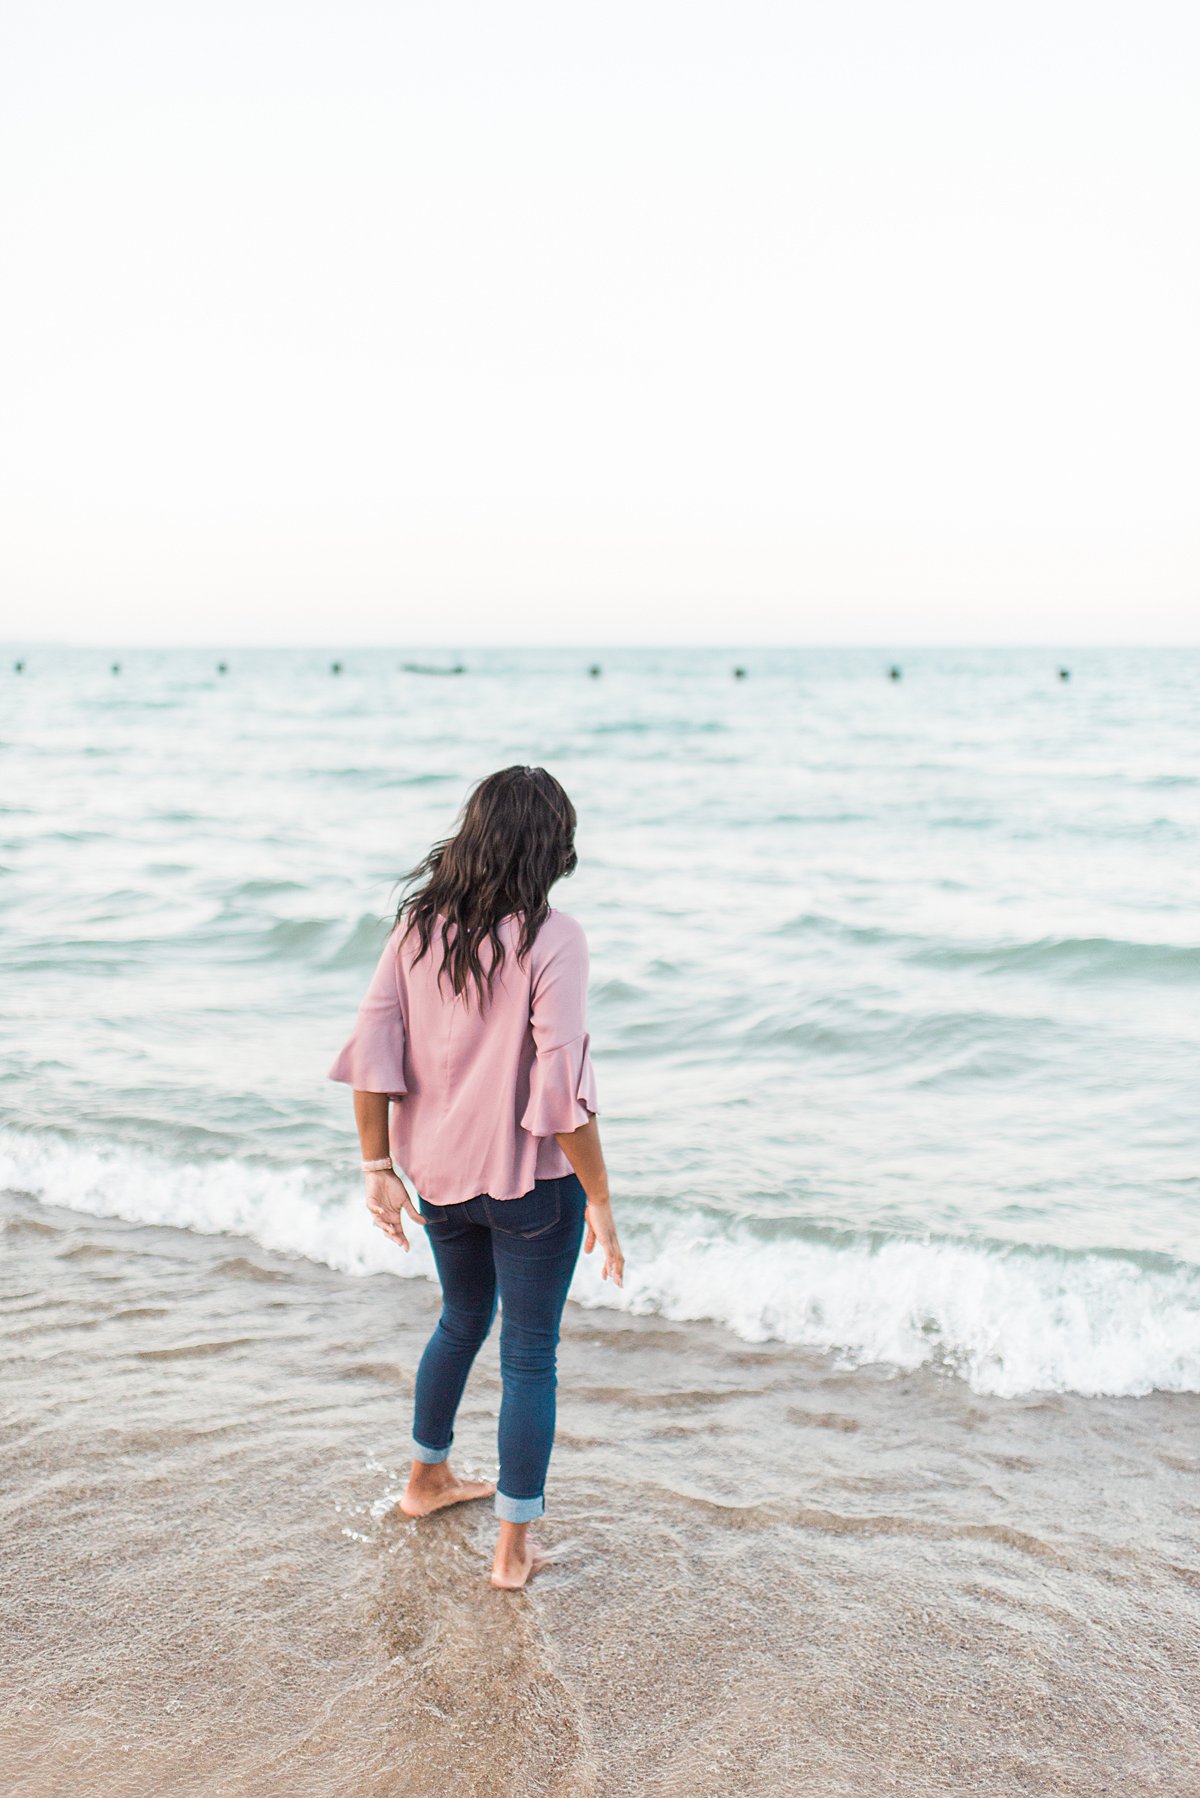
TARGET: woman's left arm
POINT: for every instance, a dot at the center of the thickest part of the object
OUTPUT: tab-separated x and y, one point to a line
372	1062
371	1116
387	1195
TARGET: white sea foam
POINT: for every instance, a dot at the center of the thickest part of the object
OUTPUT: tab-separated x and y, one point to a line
297	1210
1008	1320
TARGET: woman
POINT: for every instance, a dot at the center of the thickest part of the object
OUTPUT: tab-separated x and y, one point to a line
470	1066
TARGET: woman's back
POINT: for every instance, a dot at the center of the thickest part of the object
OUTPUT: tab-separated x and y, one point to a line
484	1087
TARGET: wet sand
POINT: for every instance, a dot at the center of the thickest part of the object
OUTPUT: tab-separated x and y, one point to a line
770	1576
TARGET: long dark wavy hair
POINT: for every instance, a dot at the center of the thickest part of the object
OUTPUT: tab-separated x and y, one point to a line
515	838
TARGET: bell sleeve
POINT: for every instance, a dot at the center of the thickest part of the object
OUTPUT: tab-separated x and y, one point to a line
562	1082
372	1058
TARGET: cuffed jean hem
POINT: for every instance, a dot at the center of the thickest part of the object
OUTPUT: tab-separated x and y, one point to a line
519	1510
421	1453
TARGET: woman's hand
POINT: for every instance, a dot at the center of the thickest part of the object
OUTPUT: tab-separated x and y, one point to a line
601	1228
387	1201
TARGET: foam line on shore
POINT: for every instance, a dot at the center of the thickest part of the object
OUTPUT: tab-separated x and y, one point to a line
1008	1319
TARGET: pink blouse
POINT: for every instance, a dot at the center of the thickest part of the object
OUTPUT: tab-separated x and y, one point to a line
481	1097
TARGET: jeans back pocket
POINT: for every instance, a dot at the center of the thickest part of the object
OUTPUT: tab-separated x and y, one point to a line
535	1213
443	1221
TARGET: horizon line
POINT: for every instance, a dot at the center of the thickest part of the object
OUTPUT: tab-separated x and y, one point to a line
343	647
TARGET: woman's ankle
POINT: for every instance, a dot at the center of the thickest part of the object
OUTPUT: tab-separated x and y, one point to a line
429	1473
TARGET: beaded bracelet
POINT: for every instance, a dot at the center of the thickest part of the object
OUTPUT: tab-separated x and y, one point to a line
375	1167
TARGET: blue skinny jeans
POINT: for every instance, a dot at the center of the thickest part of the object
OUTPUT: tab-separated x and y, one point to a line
522	1253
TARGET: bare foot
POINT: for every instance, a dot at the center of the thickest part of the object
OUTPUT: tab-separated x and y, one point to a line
513	1567
432	1486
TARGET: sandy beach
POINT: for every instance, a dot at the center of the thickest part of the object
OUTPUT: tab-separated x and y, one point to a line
770	1576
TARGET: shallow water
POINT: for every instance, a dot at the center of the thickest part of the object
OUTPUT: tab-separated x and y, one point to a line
769	1575
894	983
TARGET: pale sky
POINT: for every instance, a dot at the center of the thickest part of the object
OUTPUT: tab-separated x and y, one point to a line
460	323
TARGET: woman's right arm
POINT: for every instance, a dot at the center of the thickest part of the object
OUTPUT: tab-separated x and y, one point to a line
582	1149
562	1084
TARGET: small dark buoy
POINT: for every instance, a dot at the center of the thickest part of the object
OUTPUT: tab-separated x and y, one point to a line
894	672
222	667
18	667
739	674
116	667
335	667
1064	674
595	669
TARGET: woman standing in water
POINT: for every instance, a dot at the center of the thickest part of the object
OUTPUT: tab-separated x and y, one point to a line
470	1067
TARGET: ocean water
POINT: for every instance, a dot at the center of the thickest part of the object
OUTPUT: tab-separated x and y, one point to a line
894	982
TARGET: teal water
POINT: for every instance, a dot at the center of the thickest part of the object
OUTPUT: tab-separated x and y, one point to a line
894	983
